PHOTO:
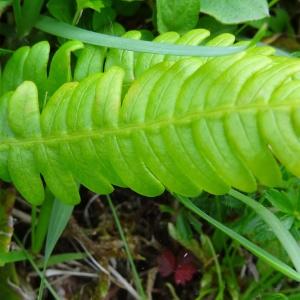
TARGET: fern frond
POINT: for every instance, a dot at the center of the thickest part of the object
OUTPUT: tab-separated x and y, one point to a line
186	125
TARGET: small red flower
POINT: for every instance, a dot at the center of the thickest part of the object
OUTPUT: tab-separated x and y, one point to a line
166	263
185	273
182	266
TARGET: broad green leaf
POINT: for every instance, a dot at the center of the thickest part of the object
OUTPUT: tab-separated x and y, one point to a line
24	120
103	18
62	10
124	59
90	61
235	11
177	15
60	68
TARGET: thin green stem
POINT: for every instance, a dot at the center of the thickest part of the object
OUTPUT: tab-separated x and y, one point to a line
33	225
217	265
35	267
284	236
136	277
68	31
77	17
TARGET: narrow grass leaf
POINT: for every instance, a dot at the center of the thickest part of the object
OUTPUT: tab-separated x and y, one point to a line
284	236
136	276
256	250
67	31
41	227
35	267
61	258
59	219
13	256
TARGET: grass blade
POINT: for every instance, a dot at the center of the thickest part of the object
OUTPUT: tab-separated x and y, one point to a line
59	218
13	256
35	267
284	236
256	250
136	277
67	31
40	230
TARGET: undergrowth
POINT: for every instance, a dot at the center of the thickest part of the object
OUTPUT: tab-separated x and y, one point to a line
208	123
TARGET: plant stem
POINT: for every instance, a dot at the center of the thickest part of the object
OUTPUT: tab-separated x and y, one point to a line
284	236
136	277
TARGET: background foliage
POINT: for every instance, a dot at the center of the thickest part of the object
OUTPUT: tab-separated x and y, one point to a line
129	246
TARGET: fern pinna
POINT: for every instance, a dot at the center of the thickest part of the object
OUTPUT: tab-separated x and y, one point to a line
148	122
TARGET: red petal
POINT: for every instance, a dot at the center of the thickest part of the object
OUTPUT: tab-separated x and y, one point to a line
184	273
166	263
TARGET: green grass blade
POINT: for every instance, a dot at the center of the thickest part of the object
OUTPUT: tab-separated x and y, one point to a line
256	250
59	218
41	227
61	258
284	236
65	30
17	12
136	276
26	15
13	256
35	267
4	51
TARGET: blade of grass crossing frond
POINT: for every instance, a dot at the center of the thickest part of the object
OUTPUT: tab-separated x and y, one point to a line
59	218
136	276
256	250
67	31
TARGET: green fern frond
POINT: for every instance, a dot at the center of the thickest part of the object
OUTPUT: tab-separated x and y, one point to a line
187	125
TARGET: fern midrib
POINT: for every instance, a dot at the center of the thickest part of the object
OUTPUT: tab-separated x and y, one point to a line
153	125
